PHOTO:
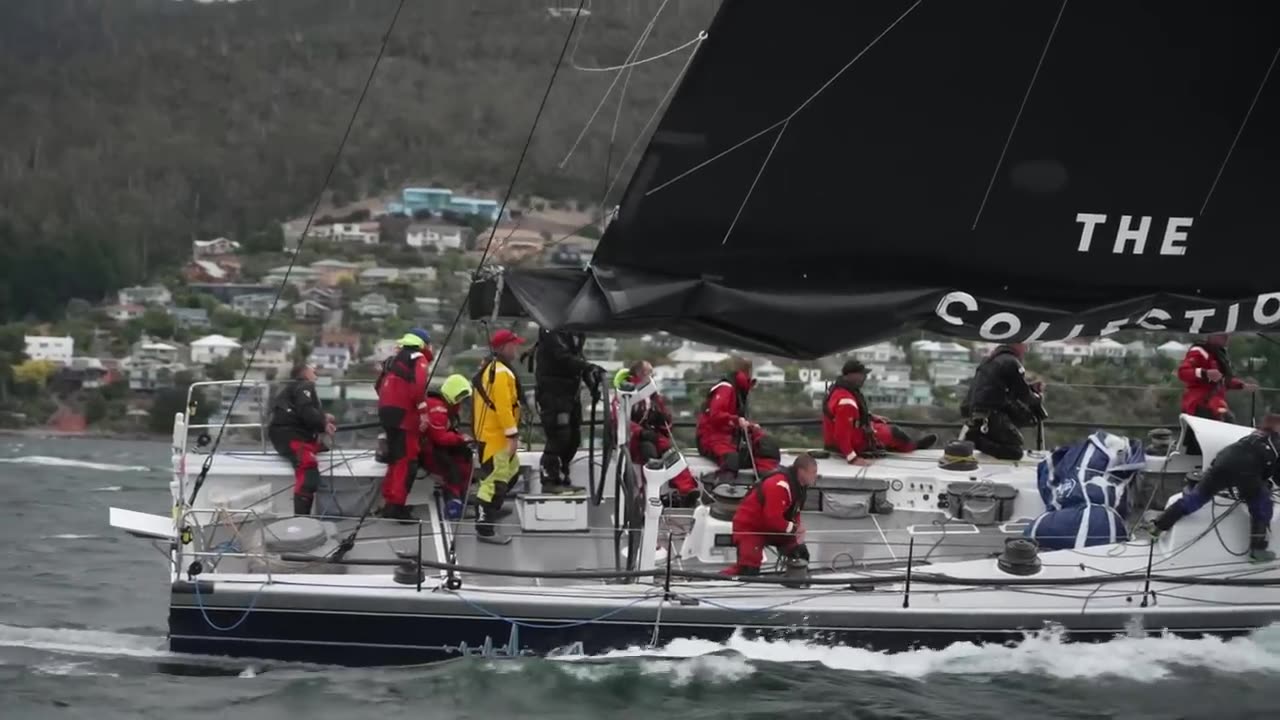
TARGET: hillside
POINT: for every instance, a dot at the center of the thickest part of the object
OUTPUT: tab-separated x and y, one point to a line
131	126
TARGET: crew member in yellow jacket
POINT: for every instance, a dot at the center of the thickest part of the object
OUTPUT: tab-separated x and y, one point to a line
496	416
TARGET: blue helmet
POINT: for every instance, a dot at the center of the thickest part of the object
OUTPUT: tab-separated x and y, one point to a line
423	334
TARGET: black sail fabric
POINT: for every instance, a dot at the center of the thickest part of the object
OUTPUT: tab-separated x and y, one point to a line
832	173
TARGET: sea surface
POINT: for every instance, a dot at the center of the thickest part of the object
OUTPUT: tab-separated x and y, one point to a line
82	622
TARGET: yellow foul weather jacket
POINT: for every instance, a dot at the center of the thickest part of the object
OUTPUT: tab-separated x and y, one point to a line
495	407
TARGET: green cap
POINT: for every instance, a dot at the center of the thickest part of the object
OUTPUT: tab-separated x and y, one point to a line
412	341
620	377
455	388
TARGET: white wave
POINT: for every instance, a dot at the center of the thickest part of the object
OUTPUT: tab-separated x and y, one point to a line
108	488
75	669
68	462
82	642
678	671
70	536
1044	653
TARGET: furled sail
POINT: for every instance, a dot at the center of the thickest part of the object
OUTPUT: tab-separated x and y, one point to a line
828	174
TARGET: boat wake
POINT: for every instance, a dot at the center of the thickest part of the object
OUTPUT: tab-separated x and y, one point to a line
1143	659
68	462
83	642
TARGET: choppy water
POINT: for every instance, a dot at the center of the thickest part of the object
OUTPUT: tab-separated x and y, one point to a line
82	613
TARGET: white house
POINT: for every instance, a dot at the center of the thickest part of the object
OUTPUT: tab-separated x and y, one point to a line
696	354
440	237
125	313
419	275
51	348
154	353
331	359
379	275
288	341
364	233
212	348
257	305
767	373
882	353
427	305
950	374
1072	351
300	275
1173	349
213	248
374	305
934	351
1139	349
149	295
1108	348
599	349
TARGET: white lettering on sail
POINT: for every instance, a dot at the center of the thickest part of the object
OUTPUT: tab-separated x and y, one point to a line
1011	321
1233	317
1090	220
1125	233
1075	333
1035	334
1158	314
1197	318
1133	240
1113	327
1174	233
955	298
1273	315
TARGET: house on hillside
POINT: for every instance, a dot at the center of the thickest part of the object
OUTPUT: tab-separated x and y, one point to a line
1073	351
258	306
440	237
337	337
310	311
950	374
288	340
598	349
433	200
299	276
934	351
766	373
898	393
190	318
1173	350
1108	348
57	349
379	276
365	233
212	348
226	292
124	313
327	297
330	273
428	306
82	373
208	271
882	353
375	306
145	295
215	248
331	360
152	352
419	275
475	206
696	354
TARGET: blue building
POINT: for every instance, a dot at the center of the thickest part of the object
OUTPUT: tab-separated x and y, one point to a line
433	199
473	206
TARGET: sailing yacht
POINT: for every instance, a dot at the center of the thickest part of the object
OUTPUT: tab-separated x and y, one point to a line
824	177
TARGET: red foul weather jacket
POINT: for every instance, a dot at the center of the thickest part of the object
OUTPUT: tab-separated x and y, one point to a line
726	402
441	423
843	428
402	389
1201	393
772	507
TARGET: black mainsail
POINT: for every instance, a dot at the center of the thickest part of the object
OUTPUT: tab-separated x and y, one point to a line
828	174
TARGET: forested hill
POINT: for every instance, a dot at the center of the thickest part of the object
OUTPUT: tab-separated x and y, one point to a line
129	126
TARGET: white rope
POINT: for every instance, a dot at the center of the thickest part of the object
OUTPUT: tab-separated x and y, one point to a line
1240	131
752	189
635	50
637	63
996	173
795	112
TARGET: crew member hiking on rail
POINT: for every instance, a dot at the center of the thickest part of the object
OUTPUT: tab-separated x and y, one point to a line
724	433
401	400
297	421
849	427
770	515
559	369
1001	400
650	432
495	412
1207	375
446	450
1248	466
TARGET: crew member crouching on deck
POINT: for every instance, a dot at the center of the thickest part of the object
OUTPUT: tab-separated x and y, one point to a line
296	425
849	427
724	433
1000	401
446	450
401	400
1207	376
770	515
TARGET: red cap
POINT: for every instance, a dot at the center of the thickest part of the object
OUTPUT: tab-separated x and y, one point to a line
504	336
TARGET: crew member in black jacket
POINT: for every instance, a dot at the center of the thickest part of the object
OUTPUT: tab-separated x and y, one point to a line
1248	466
559	369
297	422
1000	400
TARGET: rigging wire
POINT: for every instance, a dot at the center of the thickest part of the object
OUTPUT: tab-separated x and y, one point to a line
328	178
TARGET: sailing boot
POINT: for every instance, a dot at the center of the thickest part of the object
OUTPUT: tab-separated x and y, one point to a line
486	531
1258	552
926	441
302	504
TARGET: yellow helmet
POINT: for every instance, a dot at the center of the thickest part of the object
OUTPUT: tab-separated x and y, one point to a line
455	388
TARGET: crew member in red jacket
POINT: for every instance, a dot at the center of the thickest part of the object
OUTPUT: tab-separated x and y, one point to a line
650	435
446	451
850	428
723	429
401	400
770	515
1206	373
